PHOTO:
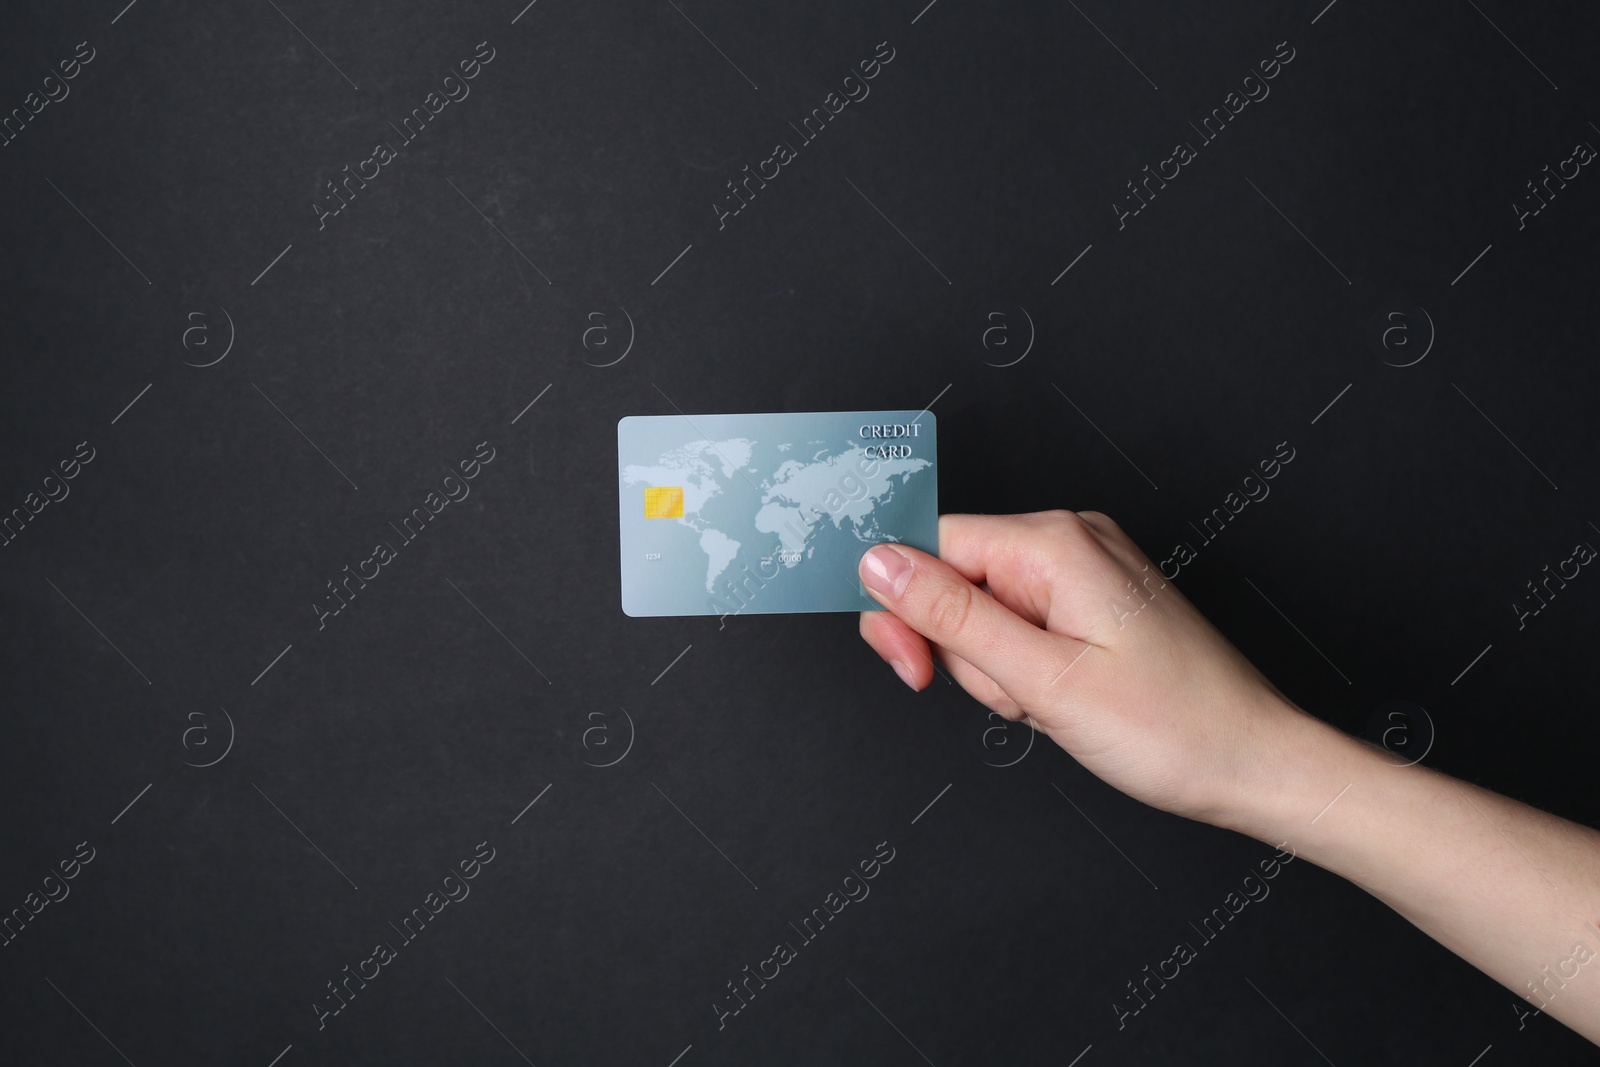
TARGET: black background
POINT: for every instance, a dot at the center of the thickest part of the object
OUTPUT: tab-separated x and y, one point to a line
405	332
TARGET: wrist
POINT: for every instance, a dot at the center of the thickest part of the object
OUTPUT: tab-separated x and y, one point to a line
1296	767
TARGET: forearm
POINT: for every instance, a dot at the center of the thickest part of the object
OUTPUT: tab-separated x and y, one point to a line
1512	890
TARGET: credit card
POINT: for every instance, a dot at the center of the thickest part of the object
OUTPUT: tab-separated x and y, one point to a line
768	513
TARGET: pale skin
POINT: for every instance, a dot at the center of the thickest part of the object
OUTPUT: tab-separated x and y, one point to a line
1151	698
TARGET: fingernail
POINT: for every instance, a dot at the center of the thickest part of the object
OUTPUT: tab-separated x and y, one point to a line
903	671
885	571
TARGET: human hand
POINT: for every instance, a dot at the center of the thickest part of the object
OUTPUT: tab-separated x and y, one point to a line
1056	618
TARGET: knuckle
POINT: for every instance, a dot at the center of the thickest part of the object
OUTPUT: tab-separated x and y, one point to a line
949	607
1100	521
1059	524
1107	535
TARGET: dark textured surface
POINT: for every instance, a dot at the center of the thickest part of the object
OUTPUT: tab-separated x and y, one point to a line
491	662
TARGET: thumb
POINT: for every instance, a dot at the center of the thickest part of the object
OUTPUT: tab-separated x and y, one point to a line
939	603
